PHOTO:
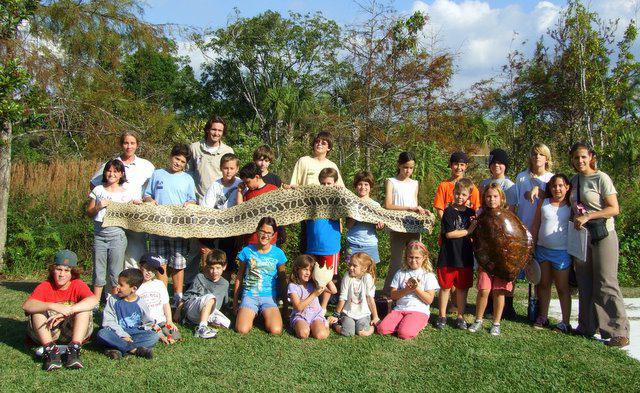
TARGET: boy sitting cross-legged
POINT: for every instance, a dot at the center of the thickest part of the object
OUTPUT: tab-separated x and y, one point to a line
206	295
155	294
126	320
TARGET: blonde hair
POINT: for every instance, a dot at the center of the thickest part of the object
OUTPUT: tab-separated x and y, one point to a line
463	184
543	149
303	261
363	259
420	247
498	188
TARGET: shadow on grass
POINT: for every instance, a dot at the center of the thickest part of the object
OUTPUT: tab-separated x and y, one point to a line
22	286
13	332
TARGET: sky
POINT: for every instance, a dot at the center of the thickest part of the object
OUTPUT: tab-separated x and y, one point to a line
480	33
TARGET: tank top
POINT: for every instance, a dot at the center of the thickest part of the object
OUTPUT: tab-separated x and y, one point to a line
554	226
404	192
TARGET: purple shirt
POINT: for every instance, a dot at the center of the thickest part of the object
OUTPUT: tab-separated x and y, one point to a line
313	310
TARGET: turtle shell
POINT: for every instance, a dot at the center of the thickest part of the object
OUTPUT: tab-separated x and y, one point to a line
501	243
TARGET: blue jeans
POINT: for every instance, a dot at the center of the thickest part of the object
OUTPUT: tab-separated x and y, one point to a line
109	245
141	338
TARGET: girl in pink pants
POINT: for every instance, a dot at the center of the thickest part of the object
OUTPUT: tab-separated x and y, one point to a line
413	288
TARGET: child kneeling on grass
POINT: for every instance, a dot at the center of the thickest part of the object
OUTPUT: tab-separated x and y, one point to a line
155	294
356	312
208	292
127	321
307	318
413	288
59	309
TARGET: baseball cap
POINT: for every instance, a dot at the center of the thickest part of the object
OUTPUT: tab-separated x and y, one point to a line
153	261
66	258
459	156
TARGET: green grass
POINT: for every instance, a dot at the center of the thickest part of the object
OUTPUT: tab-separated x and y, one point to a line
452	360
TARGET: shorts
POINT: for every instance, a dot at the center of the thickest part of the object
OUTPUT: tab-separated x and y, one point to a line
308	319
174	250
62	333
167	332
329	261
372	251
194	306
351	327
487	281
459	277
258	304
560	259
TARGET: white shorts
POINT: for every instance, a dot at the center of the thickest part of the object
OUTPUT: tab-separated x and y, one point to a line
195	306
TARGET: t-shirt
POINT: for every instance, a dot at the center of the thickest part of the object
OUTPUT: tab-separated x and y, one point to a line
313	310
509	188
363	233
129	314
138	173
99	193
554	226
525	182
203	285
455	252
204	165
354	292
272	178
219	196
593	189
250	194
444	196
411	302
48	293
323	236
307	169
155	294
171	188
261	270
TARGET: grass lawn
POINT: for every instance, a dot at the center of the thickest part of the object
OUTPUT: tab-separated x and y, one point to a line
521	359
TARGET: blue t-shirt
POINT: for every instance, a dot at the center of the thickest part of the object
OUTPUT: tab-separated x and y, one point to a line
323	236
363	233
261	270
129	313
171	188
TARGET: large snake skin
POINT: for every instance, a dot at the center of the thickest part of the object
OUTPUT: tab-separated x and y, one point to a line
287	206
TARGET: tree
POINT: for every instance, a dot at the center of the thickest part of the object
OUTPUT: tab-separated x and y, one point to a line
14	82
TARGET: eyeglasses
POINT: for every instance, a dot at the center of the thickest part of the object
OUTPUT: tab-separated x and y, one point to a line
265	234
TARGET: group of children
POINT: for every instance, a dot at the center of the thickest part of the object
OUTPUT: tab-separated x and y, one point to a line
132	326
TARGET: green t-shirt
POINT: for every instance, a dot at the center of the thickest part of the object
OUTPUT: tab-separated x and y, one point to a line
593	189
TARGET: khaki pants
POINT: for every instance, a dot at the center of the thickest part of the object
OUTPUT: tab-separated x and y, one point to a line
62	333
601	305
399	241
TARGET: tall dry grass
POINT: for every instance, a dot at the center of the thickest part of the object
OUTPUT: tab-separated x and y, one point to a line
62	185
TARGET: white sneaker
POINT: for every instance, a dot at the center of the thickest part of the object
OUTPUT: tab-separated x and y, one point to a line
494	330
474	327
205	332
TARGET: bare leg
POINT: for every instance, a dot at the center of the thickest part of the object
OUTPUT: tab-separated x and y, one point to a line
163	277
244	320
177	276
80	326
319	330
443	301
561	279
368	332
302	329
324	300
498	305
461	301
481	303
272	320
544	289
207	310
38	322
97	290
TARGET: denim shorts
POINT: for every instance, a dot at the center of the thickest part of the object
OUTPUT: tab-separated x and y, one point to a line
372	251
258	304
560	259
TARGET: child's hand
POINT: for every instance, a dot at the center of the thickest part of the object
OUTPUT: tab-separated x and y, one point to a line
375	321
412	283
472	226
380	225
419	210
137	201
102	204
165	340
532	195
320	290
128	339
331	320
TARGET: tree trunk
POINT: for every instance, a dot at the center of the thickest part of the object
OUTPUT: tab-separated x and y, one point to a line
5	179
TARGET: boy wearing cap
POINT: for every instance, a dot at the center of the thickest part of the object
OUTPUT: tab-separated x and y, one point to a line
155	294
59	309
498	166
208	292
444	195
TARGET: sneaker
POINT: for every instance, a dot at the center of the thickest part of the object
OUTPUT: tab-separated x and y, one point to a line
494	330
461	324
441	323
205	332
52	360
477	325
73	357
113	354
562	327
617	341
143	352
541	323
